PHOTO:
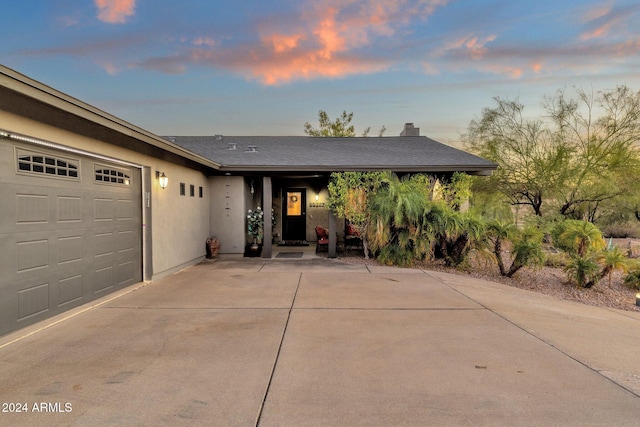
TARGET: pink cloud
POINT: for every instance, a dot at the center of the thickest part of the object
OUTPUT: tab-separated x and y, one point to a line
324	42
471	46
601	19
115	11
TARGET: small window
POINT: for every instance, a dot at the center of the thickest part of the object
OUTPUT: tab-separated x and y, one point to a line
109	175
182	189
47	165
192	190
200	192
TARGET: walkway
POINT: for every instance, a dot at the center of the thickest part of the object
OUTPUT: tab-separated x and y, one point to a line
313	342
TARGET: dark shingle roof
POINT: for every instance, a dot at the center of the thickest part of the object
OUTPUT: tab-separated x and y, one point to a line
301	153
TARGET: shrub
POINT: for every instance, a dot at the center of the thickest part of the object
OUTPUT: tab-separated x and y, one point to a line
557	260
582	270
577	237
632	279
526	246
622	230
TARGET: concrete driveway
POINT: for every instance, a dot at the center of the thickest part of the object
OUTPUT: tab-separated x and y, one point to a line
313	342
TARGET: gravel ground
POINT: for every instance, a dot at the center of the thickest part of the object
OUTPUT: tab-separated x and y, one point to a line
546	280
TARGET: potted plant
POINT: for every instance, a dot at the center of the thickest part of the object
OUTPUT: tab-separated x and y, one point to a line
255	227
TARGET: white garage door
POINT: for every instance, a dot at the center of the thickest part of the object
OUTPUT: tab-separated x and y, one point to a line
70	231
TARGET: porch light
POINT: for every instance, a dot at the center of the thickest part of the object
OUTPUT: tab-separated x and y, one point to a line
317	197
163	180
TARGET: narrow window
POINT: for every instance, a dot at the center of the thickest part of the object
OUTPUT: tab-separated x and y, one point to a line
182	189
200	192
192	190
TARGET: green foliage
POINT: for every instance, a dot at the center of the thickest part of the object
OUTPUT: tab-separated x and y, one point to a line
455	233
349	195
458	190
255	223
623	229
530	160
526	246
576	237
632	279
612	259
603	166
489	205
582	270
584	243
527	250
571	161
395	230
556	260
341	127
579	237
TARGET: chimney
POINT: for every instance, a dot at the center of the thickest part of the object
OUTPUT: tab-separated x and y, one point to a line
410	130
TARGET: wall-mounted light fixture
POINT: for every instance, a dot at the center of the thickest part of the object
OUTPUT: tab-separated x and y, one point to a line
163	180
317	197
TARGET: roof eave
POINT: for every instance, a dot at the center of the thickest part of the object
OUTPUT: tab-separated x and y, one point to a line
26	86
470	169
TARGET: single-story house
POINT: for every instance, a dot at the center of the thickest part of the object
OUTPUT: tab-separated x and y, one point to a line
86	209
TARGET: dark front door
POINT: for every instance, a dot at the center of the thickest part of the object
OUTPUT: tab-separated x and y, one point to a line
294	215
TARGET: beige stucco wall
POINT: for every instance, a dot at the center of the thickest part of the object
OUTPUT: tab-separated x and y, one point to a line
179	224
228	211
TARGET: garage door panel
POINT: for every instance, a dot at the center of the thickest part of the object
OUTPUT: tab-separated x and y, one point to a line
69	209
32	208
33	301
32	255
125	273
103	244
70	290
70	249
65	241
103	279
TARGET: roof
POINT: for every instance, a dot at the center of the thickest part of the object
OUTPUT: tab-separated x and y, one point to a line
303	153
271	153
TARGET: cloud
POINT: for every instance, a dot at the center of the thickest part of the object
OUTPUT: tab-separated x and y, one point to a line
115	11
601	19
328	39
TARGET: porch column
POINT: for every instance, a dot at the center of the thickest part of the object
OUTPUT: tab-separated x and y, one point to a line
267	205
332	235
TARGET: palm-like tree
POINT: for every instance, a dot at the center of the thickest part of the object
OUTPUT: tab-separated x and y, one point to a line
611	260
583	236
582	270
456	233
500	231
395	231
527	250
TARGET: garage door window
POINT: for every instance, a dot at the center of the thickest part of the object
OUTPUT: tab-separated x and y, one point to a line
105	175
45	164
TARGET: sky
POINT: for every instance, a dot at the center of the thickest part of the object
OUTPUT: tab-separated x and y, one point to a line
205	67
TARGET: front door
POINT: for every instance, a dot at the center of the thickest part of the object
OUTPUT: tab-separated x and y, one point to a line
294	215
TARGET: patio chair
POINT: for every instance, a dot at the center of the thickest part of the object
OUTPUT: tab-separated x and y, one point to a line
322	239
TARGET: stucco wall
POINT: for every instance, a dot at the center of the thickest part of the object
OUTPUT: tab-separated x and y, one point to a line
228	212
179	224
